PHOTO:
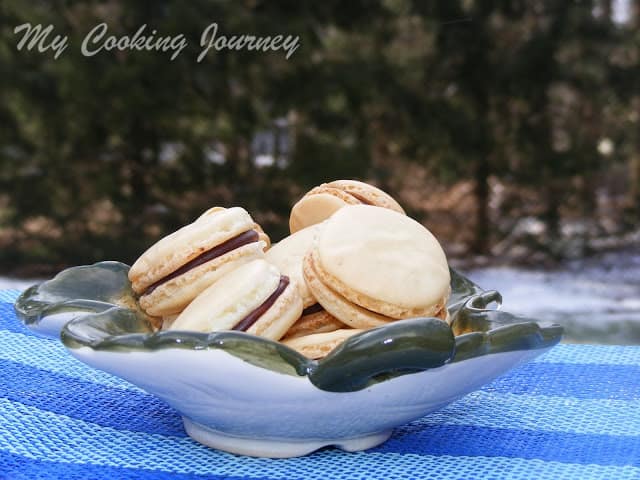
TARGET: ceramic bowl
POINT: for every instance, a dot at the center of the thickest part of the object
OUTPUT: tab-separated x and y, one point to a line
248	395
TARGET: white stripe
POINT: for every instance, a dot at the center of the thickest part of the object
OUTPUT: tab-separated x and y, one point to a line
47	436
47	354
592	355
541	412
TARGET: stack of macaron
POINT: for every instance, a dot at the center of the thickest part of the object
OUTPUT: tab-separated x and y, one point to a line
353	261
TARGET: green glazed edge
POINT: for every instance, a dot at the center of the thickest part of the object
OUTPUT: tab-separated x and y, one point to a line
374	356
53	296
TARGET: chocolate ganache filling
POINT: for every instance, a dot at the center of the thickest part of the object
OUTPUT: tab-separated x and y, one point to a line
238	241
360	198
311	309
246	323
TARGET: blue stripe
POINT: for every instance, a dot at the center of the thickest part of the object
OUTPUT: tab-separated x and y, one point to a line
483	408
87	401
16	467
75	397
50	355
592	354
464	440
57	438
617	382
538	412
96	445
9	320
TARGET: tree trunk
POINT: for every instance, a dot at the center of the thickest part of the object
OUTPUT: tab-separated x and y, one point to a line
634	160
481	88
633	202
481	193
552	213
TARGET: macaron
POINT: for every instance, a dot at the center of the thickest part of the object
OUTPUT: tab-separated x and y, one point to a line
254	298
322	201
311	322
319	345
369	266
287	255
173	271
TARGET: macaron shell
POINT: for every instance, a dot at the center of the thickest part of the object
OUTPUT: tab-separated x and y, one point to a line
156	322
314	208
327	189
393	312
319	345
318	322
174	295
367	194
212	228
262	236
322	201
383	261
230	299
338	306
210	212
168	320
288	254
275	322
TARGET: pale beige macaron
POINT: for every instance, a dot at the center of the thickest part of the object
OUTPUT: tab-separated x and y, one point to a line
371	265
288	255
173	271
314	321
319	345
322	201
254	298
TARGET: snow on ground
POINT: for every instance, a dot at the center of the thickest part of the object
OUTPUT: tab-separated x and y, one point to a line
16	284
597	300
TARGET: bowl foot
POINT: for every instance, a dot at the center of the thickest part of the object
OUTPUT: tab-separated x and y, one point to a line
276	448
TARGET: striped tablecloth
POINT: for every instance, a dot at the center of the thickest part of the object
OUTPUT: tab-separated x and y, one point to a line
573	413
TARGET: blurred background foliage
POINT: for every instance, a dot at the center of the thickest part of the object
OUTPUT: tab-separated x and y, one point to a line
510	128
